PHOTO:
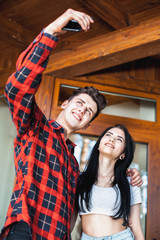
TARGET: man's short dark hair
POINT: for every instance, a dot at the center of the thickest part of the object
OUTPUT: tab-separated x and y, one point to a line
95	95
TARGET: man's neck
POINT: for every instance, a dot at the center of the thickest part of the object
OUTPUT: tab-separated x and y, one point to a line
67	131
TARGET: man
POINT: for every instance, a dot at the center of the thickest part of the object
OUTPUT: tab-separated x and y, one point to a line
46	170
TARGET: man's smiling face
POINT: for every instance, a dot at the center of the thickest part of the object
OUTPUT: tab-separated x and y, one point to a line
79	111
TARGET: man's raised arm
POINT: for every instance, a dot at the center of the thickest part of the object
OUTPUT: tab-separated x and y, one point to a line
23	84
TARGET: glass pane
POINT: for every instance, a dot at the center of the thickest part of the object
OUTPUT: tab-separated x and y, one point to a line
7	170
120	104
130	106
140	163
82	152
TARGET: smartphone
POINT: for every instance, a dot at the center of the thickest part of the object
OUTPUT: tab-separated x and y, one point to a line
72	25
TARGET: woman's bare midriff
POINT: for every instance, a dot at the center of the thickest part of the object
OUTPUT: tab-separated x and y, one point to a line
98	225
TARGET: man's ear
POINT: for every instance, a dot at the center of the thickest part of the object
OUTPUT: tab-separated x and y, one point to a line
64	104
84	128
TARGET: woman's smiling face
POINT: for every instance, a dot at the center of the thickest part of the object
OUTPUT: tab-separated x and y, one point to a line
112	143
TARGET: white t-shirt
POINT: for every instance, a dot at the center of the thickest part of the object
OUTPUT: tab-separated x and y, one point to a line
107	200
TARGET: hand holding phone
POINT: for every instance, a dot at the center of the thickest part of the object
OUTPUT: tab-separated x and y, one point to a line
72	25
81	21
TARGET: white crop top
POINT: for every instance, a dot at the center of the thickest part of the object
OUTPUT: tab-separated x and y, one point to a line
107	200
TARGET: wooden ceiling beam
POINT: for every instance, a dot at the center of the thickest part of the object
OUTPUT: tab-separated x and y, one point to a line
118	47
110	11
146	14
14	33
125	82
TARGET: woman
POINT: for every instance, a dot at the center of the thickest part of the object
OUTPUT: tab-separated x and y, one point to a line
109	207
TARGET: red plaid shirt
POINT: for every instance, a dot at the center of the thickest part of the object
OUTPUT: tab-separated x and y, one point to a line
46	170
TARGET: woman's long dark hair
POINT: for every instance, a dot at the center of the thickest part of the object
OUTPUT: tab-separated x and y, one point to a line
90	175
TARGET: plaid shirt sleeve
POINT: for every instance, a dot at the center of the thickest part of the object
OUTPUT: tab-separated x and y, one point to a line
23	84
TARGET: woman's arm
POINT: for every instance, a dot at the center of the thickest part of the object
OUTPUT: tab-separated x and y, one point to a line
134	222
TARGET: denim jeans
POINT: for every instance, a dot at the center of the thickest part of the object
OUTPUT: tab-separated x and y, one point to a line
19	231
123	235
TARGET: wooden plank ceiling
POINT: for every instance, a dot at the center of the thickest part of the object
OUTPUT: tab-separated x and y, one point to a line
124	33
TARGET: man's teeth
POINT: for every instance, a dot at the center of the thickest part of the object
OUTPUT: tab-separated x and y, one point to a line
76	116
